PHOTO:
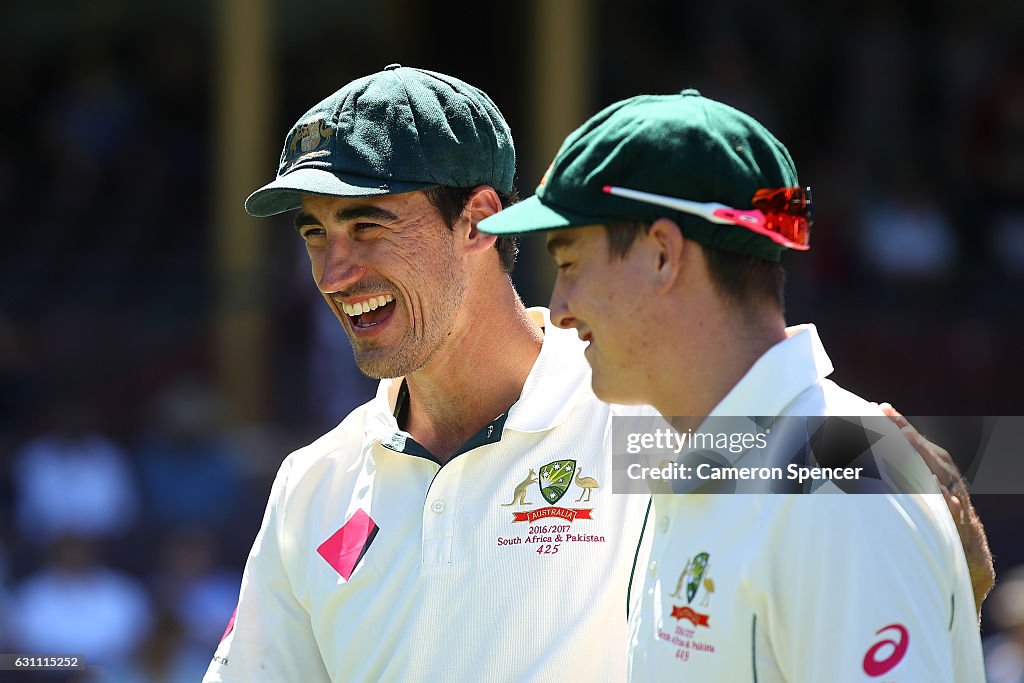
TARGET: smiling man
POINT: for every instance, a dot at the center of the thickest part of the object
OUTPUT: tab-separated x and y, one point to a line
459	526
667	217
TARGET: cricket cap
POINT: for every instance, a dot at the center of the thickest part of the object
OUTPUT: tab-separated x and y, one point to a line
398	130
682	145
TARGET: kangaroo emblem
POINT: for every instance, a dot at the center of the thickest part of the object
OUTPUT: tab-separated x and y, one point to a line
682	580
519	497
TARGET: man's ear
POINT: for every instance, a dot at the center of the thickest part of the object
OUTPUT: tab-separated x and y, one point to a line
482	203
668	244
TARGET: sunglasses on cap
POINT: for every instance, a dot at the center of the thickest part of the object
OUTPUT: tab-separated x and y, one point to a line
783	215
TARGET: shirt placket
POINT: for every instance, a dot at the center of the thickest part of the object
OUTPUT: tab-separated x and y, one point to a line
439	510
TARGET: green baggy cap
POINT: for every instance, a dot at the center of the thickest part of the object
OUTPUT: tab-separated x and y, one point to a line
684	146
398	130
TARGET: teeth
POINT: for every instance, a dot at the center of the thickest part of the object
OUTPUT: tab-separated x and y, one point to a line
366	306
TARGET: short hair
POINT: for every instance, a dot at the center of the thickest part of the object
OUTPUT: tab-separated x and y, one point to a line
622	235
744	279
450	201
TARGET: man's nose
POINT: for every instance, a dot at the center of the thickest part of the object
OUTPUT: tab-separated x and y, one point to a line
342	267
559	305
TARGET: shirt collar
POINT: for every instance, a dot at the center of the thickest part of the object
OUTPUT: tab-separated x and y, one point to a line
781	374
558	381
778	377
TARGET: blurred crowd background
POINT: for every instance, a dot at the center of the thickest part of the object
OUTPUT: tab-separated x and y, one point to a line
135	459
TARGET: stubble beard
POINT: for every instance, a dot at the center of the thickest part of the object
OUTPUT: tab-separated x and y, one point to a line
408	355
417	348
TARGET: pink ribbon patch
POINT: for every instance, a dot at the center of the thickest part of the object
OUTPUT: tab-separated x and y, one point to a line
347	545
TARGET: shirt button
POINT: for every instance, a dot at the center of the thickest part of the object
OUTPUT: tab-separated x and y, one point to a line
663	524
437	506
654	567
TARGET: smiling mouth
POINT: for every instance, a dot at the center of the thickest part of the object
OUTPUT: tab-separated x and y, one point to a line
371	312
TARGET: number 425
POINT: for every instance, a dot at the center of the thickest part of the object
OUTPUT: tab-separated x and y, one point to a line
547	549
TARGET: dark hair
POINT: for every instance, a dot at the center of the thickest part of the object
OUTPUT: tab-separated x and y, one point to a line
622	235
746	279
742	278
450	201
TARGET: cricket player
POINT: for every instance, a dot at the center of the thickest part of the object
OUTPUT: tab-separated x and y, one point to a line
667	218
460	526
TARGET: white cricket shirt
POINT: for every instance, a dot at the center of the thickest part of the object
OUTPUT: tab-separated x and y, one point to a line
509	563
804	588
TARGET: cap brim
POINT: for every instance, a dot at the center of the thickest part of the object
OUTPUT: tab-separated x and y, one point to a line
532	215
285	192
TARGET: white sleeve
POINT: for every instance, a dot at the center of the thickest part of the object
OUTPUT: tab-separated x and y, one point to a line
869	588
270	637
